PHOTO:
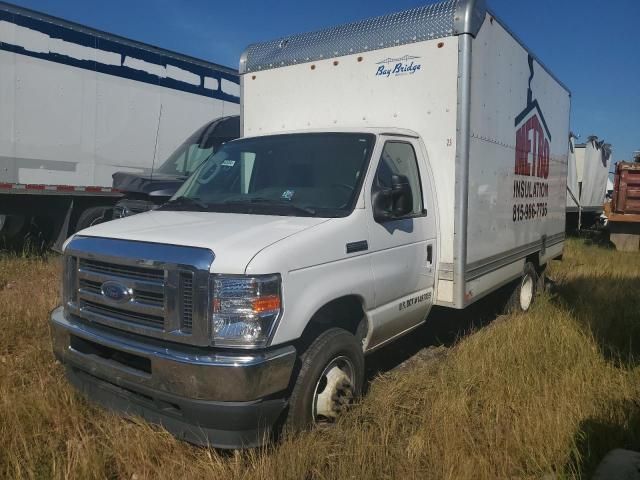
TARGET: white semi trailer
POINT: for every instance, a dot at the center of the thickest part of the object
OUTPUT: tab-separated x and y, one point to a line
387	166
588	176
77	105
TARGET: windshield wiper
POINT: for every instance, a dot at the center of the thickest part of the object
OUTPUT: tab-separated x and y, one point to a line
187	201
278	203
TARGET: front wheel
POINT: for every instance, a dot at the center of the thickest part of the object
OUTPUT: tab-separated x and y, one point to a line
330	377
525	291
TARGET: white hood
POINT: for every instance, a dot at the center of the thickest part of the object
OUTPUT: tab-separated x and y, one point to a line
234	238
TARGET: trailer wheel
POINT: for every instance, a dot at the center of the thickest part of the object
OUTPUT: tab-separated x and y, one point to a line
13	229
11	226
91	216
525	291
330	377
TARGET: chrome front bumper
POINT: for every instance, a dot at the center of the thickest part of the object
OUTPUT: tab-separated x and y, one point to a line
224	400
188	372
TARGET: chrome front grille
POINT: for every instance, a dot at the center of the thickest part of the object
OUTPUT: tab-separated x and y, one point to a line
145	307
97	311
121	270
165	288
186	296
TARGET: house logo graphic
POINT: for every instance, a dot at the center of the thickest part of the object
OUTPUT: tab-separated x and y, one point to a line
532	137
406	65
533	140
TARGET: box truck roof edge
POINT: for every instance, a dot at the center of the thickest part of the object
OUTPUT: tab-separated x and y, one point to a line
428	22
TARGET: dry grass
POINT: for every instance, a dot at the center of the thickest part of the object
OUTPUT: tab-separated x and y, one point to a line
547	393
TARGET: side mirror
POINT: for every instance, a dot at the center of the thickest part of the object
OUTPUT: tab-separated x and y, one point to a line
402	195
394	202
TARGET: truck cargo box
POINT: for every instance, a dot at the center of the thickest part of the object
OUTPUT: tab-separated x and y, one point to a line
494	119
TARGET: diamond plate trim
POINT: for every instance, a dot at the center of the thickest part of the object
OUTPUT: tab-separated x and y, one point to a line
409	26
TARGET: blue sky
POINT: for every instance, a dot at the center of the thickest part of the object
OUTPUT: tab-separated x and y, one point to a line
593	46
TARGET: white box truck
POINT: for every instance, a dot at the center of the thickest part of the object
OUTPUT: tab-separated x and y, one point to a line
77	105
387	165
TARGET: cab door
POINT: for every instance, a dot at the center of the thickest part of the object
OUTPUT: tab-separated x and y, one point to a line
402	246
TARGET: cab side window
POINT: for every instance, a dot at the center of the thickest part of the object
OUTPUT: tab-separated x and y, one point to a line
399	158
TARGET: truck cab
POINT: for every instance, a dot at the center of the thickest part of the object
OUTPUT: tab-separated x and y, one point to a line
226	296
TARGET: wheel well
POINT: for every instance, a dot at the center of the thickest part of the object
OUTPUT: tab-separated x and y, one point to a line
534	258
344	312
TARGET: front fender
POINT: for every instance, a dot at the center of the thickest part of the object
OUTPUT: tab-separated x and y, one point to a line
306	291
316	268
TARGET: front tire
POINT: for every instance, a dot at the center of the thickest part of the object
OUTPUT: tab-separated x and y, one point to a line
330	377
525	291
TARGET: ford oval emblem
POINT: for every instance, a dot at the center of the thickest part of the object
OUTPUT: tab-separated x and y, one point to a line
116	292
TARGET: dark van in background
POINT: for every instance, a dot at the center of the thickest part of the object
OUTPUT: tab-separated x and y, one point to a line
147	191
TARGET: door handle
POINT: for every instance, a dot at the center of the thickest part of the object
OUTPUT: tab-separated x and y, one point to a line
429	253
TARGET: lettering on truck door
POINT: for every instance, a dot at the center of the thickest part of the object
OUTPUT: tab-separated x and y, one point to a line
402	248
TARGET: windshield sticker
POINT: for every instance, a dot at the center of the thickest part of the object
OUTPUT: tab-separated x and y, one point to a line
228	163
288	194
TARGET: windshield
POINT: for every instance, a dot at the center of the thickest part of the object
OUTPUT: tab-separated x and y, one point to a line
315	174
199	146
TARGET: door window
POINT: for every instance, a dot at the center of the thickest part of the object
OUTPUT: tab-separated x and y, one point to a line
399	158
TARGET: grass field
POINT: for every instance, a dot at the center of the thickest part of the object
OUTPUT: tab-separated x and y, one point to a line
545	394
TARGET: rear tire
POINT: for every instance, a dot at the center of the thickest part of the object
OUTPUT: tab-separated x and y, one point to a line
92	216
330	377
13	228
542	279
525	291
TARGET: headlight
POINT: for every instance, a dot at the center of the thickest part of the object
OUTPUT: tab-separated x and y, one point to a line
245	310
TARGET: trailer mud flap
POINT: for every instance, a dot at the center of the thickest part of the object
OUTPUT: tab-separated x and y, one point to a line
64	230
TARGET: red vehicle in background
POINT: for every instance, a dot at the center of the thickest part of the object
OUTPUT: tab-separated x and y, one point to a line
624	214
